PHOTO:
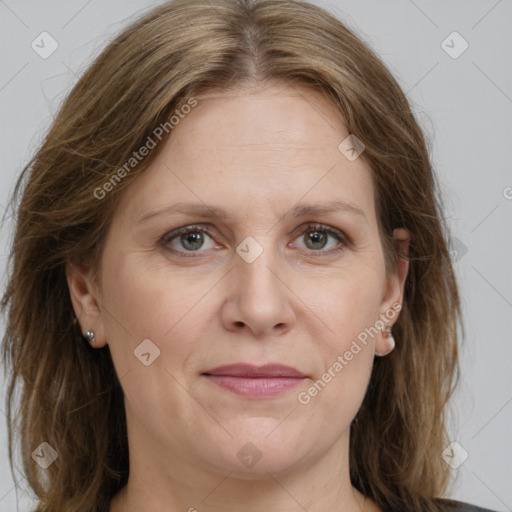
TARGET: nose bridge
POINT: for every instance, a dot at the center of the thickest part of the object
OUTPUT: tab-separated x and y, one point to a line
257	258
260	295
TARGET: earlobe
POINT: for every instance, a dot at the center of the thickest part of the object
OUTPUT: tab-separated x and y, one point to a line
84	298
387	345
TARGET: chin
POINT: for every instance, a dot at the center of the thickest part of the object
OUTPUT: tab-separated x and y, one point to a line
254	459
265	468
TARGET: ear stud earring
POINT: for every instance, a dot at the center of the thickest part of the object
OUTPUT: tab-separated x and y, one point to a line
89	336
391	341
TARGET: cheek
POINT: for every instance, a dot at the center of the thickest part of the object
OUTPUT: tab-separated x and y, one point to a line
350	309
156	304
351	303
349	306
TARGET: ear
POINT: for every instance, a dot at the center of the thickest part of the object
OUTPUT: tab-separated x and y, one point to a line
392	299
84	298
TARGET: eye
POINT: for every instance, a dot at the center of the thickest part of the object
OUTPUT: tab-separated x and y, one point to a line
190	239
316	238
187	239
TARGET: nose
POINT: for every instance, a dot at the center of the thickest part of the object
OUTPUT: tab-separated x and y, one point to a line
259	299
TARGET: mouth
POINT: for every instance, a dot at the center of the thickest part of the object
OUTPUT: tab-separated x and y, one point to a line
255	381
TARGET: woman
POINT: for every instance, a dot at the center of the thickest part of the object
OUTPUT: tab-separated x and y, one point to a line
230	222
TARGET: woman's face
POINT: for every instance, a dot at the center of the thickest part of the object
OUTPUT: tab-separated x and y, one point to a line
269	274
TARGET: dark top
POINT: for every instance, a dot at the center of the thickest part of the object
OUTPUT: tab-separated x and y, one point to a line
448	505
459	506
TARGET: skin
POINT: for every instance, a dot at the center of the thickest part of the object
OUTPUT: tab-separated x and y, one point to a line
258	152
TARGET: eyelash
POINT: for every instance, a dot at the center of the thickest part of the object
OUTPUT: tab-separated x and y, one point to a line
168	237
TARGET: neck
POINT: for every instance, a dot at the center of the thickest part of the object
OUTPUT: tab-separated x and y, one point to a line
179	483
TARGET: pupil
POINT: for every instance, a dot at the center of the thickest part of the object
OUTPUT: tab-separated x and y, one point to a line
193	240
317	237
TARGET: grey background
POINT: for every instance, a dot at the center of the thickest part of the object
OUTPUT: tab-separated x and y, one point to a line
465	107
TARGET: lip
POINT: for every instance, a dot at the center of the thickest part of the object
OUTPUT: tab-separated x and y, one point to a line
250	370
255	381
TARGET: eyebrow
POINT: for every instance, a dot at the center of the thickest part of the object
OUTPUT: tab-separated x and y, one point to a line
212	211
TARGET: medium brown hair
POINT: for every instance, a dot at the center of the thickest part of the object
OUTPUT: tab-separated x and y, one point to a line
69	394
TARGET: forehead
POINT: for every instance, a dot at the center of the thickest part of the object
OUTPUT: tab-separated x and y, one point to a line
278	114
250	148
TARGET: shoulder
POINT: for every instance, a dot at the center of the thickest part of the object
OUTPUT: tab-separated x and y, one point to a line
460	506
